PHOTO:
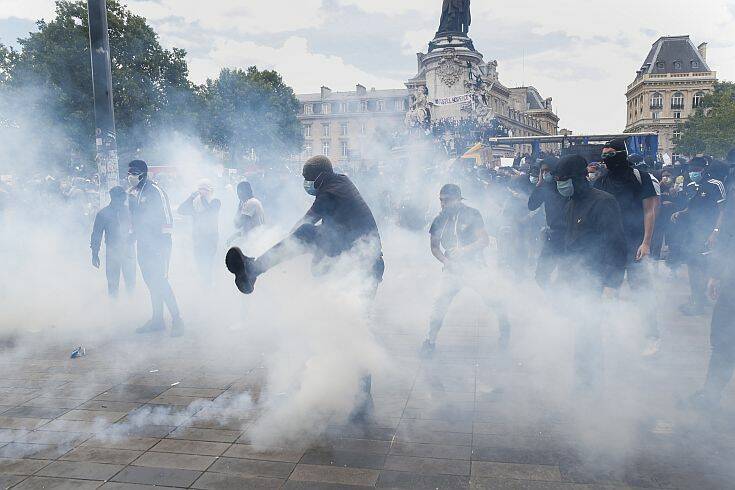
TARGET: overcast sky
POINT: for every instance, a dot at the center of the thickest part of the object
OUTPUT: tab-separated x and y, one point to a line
583	53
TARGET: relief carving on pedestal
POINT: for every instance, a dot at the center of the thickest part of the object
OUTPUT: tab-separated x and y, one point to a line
449	70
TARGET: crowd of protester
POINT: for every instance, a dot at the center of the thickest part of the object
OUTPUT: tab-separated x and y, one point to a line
617	214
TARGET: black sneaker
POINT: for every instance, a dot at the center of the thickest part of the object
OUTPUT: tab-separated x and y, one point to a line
242	267
427	349
151	326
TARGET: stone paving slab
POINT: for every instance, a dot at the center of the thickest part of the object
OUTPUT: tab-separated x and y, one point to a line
80	470
45	483
330	474
220	481
251	467
157	476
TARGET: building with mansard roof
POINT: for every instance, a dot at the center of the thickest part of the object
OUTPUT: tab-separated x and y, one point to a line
668	88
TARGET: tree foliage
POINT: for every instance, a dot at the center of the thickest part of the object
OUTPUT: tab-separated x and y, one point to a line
250	110
711	130
46	93
53	73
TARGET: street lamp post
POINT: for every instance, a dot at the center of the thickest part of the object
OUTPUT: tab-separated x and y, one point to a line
104	114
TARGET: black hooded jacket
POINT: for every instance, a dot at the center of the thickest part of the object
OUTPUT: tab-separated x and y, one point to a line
345	216
595	242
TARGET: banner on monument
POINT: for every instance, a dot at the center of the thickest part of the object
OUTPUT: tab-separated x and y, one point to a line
457	99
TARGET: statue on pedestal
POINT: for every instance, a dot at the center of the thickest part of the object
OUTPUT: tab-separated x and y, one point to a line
456	17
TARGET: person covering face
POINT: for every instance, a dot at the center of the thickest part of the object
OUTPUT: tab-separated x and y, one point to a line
594	241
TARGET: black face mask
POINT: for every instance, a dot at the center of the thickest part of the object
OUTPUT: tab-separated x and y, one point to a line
617	162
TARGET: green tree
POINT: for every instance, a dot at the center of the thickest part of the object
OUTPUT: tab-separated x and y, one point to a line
711	130
52	72
250	110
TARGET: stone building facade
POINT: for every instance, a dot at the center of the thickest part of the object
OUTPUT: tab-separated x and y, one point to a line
452	82
342	125
668	89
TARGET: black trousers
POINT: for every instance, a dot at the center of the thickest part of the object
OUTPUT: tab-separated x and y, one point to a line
722	340
116	262
314	240
551	252
154	254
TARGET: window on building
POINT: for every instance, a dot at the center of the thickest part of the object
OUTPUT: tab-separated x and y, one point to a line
677	114
697	100
364	106
344	129
344	107
307	131
398	105
695	65
381	106
308	109
657	101
317	108
325	148
655	115
307	150
345	149
677	135
677	65
335	108
325	131
677	101
660	65
354	106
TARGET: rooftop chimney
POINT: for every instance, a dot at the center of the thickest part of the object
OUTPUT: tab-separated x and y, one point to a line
326	92
361	90
702	48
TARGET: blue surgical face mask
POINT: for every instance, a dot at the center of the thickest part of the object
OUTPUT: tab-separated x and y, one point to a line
565	187
695	176
533	179
548	178
309	187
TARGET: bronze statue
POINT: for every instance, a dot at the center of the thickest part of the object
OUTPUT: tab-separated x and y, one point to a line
456	17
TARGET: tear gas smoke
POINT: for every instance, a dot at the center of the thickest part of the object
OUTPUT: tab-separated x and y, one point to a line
307	341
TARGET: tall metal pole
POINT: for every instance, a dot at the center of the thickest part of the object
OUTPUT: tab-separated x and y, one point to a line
104	114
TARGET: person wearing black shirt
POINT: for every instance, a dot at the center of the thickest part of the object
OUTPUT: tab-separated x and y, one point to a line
637	194
721	289
699	220
594	260
113	224
458	238
545	194
338	222
152	226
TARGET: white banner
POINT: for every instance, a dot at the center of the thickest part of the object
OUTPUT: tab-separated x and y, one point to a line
457	99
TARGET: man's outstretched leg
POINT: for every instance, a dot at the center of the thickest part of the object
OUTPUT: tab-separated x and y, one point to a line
247	269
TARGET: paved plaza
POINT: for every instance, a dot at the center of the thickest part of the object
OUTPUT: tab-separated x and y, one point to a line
471	417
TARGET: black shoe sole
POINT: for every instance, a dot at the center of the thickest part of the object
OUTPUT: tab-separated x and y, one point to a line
235	262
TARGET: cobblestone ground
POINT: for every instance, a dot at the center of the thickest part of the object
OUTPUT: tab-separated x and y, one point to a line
469	418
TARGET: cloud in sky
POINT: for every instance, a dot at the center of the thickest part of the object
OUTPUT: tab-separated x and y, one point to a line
581	53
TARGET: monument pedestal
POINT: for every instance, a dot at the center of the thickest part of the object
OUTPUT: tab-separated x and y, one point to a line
449	76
